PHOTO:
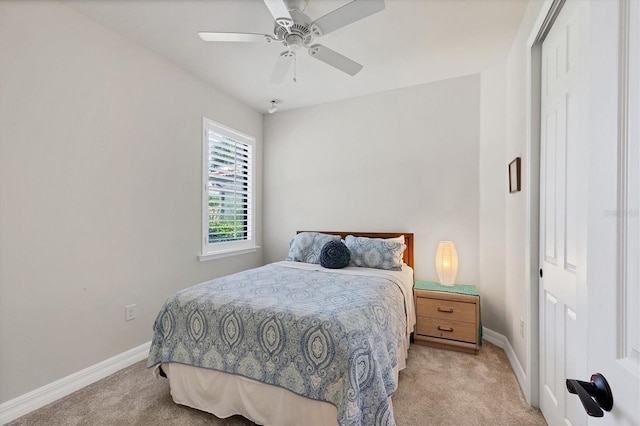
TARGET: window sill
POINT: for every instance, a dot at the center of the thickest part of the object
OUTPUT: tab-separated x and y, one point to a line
226	253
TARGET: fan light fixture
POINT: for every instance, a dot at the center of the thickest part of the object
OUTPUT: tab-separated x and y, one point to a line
274	106
447	262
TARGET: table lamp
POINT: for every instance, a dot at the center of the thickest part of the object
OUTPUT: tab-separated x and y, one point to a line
447	262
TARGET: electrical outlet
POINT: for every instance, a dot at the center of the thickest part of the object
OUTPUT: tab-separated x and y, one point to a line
129	312
521	328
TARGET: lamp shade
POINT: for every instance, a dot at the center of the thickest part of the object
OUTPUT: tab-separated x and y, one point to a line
447	262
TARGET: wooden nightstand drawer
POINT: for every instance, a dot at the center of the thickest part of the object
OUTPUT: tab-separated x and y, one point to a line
454	330
447	317
446	309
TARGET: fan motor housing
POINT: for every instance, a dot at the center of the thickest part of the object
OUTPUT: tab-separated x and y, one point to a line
298	34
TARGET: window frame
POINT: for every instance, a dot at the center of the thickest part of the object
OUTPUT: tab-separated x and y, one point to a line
227	248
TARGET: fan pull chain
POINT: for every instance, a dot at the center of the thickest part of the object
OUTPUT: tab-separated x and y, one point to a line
295	68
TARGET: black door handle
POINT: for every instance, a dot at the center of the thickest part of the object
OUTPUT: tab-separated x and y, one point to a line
595	395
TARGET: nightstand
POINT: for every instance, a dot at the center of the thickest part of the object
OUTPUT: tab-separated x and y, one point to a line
448	317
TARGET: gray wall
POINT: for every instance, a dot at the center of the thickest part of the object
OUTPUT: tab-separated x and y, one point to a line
517	222
503	218
403	160
493	193
100	190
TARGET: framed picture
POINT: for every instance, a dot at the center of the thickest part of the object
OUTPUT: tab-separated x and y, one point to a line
514	175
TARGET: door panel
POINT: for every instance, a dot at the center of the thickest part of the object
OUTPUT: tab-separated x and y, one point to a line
590	208
576	119
632	232
613	209
549	343
574	413
549	149
564	104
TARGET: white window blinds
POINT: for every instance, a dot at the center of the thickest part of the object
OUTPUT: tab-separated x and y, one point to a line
229	187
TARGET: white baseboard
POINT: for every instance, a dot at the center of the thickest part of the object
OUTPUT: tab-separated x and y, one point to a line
502	342
46	394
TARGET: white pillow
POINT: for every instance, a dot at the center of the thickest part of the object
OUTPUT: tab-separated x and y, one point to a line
399	239
375	252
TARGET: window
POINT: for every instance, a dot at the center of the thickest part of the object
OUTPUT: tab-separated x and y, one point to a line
228	200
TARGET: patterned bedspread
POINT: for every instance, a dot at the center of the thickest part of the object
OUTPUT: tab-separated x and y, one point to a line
320	334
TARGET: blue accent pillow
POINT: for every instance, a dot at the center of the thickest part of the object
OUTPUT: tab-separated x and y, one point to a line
334	255
375	253
306	246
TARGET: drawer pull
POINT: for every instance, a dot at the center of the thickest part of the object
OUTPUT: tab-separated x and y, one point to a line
449	311
450	329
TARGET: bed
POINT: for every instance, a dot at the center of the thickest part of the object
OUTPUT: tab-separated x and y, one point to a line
293	342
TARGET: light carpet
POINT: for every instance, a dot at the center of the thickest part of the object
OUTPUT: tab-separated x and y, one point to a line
438	387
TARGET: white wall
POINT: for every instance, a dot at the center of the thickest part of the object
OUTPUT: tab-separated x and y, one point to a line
503	216
516	225
494	187
403	160
100	190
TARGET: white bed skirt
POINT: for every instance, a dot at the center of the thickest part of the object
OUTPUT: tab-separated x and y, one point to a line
225	395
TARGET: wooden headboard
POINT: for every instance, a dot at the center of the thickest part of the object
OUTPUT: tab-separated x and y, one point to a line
408	240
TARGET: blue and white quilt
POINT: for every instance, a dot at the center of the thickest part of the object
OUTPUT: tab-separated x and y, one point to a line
323	334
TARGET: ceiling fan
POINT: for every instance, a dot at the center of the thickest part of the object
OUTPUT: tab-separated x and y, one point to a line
296	30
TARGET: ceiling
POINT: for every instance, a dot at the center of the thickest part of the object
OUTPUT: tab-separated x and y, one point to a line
410	42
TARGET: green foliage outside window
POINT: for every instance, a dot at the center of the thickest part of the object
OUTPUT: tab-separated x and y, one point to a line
224	230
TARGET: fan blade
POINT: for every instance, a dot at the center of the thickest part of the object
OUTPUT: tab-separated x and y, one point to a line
334	59
240	37
345	15
280	12
282	67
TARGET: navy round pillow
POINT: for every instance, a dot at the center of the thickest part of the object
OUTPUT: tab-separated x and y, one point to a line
334	255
